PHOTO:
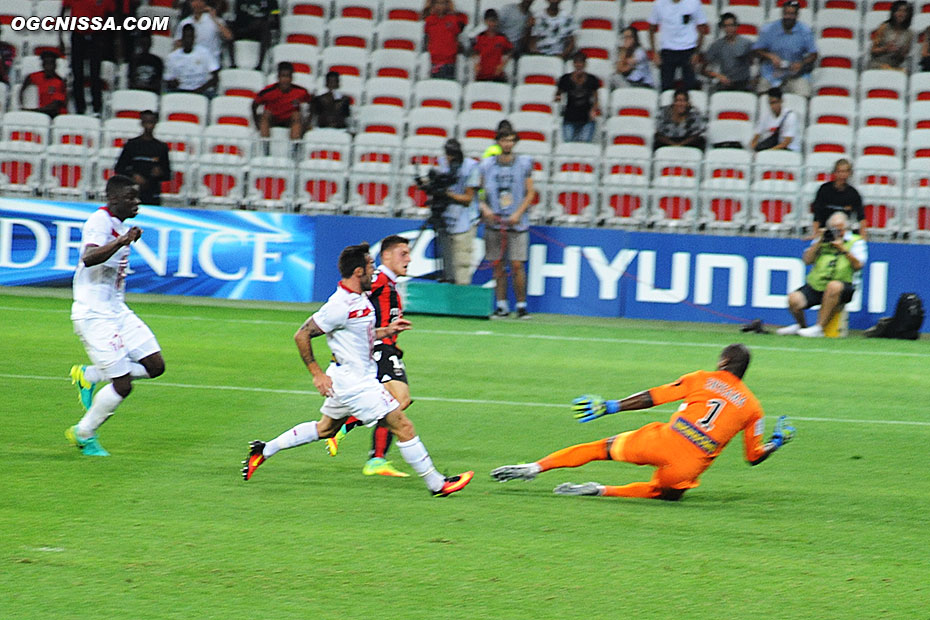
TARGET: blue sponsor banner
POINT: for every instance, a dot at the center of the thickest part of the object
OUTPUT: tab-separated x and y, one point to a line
227	254
596	272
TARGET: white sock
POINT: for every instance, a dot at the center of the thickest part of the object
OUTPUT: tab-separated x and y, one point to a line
521	305
138	371
414	452
503	305
105	403
297	436
93	375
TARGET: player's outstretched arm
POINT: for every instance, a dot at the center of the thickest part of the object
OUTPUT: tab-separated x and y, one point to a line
586	408
782	434
97	254
308	331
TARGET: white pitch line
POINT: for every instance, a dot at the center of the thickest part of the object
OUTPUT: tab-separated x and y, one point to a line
487	333
438	399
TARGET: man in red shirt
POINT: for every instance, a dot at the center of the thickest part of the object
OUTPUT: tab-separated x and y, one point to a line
492	49
281	104
442	30
87	46
53	93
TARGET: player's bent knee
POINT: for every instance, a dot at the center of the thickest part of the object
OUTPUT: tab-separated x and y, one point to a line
671	495
122	385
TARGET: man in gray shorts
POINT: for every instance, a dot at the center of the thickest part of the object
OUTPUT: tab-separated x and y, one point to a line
508	185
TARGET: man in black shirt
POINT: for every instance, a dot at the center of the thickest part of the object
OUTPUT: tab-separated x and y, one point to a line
145	68
255	19
581	106
331	109
838	195
145	160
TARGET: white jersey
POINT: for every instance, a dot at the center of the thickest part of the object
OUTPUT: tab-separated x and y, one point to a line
348	319
99	291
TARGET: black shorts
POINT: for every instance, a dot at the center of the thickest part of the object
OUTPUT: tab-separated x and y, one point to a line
390	363
815	297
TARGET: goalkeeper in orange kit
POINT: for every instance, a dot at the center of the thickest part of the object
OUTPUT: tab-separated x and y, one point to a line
717	406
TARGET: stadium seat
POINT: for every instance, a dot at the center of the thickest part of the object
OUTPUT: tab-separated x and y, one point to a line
315	8
399	35
882	84
751	18
77	129
629	130
402	10
919	89
601	68
303	30
475	147
320	191
479	124
778	166
445	94
596	44
573	183
603	16
918	115
832	110
825	138
220	181
830	23
14	8
632	101
675	177
838	54
834	81
534	98
916	221
49	8
774	207
882	113
636	15
130	103
231	111
232	140
69	172
720	131
350	32
368	10
372	187
732	106
535	69
247	52
388	91
420	153
185	108
880	141
918	145
541	155
183	139
533	126
431	122
303	57
394	63
240	82
625	185
487	96
271	183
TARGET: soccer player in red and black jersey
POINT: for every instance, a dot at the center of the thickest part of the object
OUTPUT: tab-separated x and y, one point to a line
395	256
281	102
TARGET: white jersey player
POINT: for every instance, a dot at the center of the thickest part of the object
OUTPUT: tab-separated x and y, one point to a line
121	347
350	383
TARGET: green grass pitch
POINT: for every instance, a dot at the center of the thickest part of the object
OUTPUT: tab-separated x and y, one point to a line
832	526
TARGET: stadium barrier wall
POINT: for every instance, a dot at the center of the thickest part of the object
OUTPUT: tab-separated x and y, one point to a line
583	271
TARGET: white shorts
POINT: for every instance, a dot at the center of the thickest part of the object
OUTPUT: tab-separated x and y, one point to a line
112	343
364	397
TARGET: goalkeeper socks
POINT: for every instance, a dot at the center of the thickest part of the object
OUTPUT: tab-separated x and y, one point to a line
636	489
414	452
297	436
575	456
92	374
138	371
105	403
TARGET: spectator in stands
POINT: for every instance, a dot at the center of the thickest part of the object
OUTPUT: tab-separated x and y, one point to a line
836	257
442	29
683	28
7	56
788	53
516	23
553	32
492	51
925	51
728	61
255	19
87	46
680	124
191	68
210	31
145	160
777	127
53	92
280	103
633	66
145	68
581	105
332	108
891	43
837	195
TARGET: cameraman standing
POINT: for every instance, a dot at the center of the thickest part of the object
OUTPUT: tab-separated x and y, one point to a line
457	233
836	258
508	186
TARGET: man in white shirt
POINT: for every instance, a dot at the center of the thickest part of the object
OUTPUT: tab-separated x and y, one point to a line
350	383
553	32
211	31
121	347
777	128
682	26
191	68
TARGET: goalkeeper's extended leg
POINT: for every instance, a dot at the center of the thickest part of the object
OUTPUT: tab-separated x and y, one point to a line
573	456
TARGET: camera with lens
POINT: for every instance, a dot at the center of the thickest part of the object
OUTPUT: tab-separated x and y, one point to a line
436	184
828	236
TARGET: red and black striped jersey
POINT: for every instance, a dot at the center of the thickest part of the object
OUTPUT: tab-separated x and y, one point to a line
386	300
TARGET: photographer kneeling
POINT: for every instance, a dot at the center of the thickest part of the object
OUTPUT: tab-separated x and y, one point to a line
836	257
452	186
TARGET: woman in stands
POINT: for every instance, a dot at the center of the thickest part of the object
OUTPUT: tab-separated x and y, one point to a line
680	124
891	42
